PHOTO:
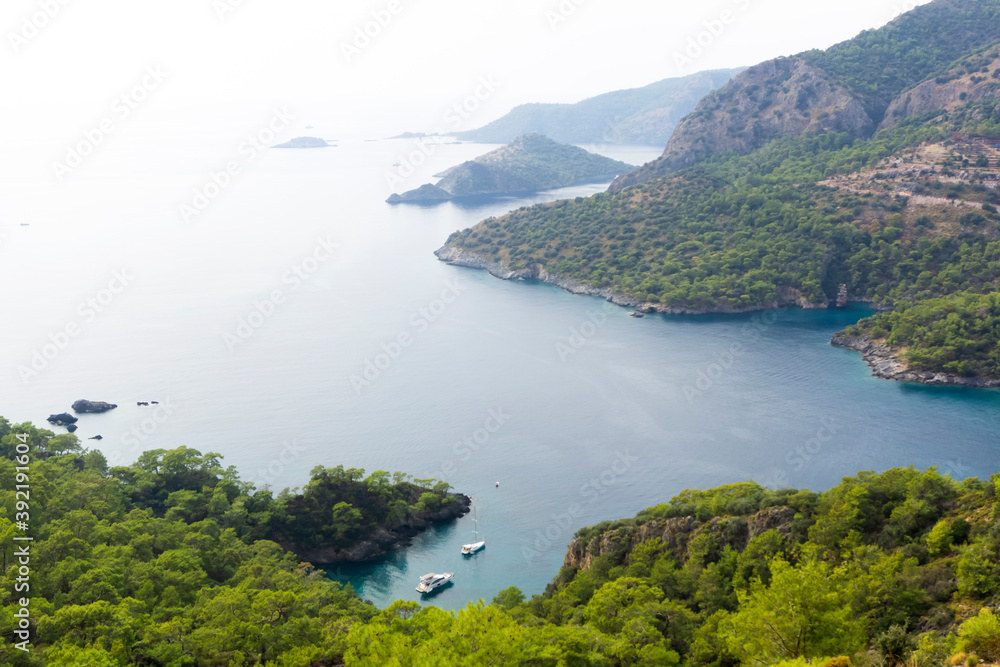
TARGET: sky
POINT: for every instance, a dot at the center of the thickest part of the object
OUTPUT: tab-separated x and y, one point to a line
374	67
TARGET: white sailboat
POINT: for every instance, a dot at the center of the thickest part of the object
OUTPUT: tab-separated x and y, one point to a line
469	549
429	582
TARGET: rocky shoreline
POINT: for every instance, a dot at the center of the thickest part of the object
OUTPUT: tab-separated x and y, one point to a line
676	533
384	540
886	364
788	298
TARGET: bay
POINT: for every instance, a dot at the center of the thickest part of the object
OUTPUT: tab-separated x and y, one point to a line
582	413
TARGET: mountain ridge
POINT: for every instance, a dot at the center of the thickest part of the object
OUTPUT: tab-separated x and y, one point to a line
869	70
645	115
870	171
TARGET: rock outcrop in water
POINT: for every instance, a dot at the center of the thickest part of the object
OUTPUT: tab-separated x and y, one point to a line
887	363
96	407
62	419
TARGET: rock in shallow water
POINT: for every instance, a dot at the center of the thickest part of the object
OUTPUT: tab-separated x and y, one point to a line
62	419
84	406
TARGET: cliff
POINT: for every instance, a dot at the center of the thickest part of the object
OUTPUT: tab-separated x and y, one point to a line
851	87
953	91
781	97
676	533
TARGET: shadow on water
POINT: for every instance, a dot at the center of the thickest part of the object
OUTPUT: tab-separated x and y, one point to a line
835	318
968	395
430	595
379	576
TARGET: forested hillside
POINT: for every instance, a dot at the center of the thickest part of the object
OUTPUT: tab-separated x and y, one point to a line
167	562
174	560
870	168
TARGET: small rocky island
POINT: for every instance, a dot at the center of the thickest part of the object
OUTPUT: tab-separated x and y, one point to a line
63	419
84	406
530	163
305	142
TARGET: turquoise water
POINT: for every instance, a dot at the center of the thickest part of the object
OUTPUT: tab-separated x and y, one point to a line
579	411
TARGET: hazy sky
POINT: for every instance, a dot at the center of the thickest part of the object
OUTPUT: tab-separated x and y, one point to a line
64	63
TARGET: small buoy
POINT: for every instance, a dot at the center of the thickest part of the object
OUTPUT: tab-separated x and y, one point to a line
498	485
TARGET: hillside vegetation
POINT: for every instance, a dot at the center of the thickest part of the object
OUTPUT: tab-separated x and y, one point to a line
957	334
174	560
167	562
871	167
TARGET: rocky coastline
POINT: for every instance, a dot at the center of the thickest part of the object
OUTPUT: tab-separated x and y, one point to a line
384	540
886	363
676	533
787	297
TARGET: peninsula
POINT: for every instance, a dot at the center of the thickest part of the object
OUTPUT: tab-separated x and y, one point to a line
530	163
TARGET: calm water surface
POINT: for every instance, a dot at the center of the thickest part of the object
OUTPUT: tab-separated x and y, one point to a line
595	415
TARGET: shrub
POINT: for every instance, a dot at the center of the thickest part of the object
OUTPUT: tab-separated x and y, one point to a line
981	635
839	661
895	645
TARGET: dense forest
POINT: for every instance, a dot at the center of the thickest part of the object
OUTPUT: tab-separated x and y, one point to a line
957	334
733	232
792	221
919	44
168	562
174	560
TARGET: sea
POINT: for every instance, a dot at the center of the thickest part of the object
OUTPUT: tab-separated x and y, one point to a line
284	316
